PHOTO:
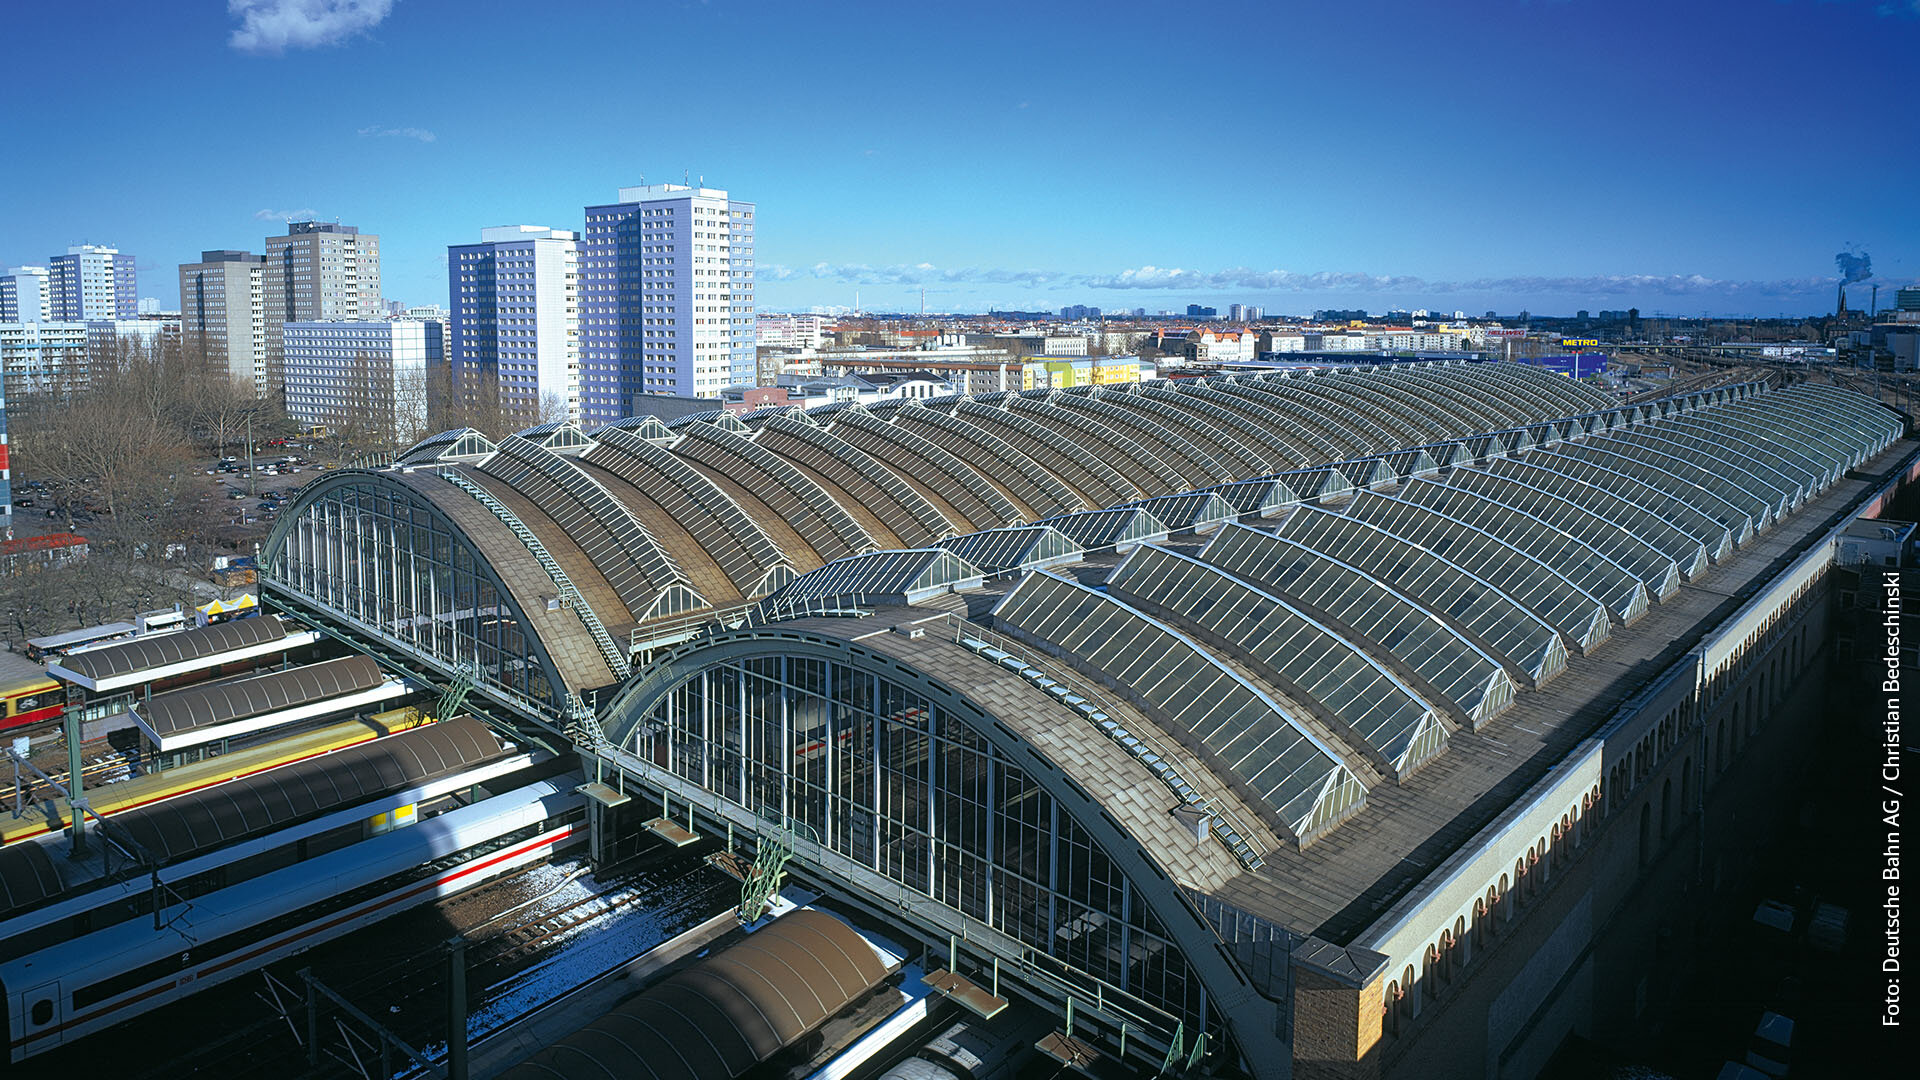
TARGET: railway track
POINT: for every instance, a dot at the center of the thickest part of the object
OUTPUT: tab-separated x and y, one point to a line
404	989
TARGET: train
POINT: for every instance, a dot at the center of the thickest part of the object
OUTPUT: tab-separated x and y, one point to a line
158	787
69	989
29	701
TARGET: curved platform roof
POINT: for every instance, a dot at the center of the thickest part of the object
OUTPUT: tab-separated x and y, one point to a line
1315	650
165	650
726	1014
1492	497
195	708
1341	682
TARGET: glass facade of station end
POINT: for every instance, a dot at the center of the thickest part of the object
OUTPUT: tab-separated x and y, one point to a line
894	783
387	561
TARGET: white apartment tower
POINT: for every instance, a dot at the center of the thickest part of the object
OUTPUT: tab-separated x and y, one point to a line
26	295
514	321
666	297
93	282
223	315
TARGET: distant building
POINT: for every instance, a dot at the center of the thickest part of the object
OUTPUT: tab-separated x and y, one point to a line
1236	312
6	471
1282	341
317	272
106	336
1219	346
1079	311
223	315
344	375
790	331
93	282
1195	311
26	295
43	357
514	299
1059	373
867	388
1021	345
667	297
1907	299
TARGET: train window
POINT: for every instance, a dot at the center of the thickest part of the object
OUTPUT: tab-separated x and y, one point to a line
26	704
42	1012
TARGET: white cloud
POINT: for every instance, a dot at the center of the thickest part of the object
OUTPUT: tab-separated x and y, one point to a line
378	132
271	27
305	213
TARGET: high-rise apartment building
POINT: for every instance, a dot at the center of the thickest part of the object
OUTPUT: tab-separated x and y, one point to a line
93	282
666	297
375	376
514	321
26	295
43	357
318	272
223	314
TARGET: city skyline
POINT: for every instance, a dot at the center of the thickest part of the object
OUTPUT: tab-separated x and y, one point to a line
1702	177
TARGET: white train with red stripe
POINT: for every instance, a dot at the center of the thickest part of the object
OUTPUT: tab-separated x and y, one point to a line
78	987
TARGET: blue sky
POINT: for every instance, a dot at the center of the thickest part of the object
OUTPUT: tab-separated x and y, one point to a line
1676	156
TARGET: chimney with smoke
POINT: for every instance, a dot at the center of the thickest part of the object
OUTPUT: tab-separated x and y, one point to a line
1853	266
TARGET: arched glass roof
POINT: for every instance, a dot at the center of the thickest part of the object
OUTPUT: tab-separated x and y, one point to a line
1480	611
1576	613
1366	608
1266	747
1377	714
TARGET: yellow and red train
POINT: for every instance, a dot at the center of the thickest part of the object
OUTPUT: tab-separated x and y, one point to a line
31	701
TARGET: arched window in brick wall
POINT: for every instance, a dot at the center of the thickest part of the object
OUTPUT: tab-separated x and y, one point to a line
1666	808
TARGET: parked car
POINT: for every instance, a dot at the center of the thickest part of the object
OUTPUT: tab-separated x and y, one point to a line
236	493
1774	915
1772	1049
1827	930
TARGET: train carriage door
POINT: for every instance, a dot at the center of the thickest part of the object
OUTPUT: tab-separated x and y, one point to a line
40	1017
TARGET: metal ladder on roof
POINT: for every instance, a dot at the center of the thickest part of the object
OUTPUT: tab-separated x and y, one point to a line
570	596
